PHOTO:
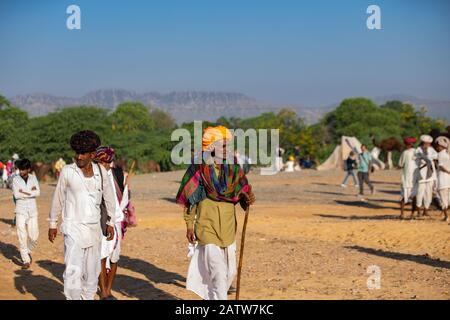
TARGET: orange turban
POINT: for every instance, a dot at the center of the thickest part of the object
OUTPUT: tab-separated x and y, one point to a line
214	134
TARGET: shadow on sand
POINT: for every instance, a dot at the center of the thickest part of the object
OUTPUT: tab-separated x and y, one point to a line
10	252
41	287
363	204
129	286
382	217
8	221
422	259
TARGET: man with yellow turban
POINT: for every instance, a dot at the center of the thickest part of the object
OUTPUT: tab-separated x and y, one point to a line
209	193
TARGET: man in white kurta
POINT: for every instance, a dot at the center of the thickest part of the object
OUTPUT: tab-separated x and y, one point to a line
425	174
78	197
443	145
25	188
407	163
110	250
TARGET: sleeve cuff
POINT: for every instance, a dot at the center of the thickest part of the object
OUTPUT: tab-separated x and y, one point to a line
53	225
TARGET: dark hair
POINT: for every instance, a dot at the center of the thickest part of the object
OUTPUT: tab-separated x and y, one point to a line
85	141
23	164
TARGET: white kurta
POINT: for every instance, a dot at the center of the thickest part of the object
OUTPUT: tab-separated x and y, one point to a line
26	214
408	164
111	249
212	271
78	199
444	178
424	184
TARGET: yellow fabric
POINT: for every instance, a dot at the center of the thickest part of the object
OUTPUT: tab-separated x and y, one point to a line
214	134
214	222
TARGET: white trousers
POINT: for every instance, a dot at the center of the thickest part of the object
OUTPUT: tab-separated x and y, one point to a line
425	194
82	270
212	271
444	194
28	233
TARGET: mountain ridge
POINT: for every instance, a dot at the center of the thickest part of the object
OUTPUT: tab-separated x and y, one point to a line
185	106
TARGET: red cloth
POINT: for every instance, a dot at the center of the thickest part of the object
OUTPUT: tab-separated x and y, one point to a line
410	140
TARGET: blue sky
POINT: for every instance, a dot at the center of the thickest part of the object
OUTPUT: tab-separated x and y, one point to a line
308	53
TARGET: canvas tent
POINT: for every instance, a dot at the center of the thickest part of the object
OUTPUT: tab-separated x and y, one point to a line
342	151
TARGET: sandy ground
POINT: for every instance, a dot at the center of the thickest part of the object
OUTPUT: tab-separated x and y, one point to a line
307	238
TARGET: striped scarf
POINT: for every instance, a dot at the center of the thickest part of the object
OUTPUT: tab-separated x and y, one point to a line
202	181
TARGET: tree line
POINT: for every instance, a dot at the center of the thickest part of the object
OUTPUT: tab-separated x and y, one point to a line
142	133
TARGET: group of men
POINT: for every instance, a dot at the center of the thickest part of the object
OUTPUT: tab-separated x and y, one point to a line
93	198
425	174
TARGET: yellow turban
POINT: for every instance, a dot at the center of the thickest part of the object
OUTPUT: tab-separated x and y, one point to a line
214	134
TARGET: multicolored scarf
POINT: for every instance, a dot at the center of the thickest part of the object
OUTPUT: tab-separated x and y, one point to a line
202	181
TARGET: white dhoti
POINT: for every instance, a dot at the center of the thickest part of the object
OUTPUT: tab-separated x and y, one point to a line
212	271
28	233
425	194
405	194
444	195
82	259
111	249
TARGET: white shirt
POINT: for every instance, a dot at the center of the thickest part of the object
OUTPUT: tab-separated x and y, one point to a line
444	177
79	199
26	204
408	164
421	164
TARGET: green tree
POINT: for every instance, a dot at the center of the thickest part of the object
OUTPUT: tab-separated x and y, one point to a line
131	116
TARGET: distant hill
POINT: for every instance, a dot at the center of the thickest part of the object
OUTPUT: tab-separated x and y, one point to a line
200	105
183	106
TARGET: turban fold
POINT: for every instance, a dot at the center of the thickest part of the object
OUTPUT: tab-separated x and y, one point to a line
444	142
214	134
85	142
426	138
105	154
409	140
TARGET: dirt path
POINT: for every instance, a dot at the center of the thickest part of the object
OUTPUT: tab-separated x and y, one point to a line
307	239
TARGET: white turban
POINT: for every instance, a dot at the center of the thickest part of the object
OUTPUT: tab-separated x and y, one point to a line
426	138
444	142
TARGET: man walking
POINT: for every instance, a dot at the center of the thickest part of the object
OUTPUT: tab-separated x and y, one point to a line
443	147
209	193
407	164
364	169
78	196
25	188
425	175
110	250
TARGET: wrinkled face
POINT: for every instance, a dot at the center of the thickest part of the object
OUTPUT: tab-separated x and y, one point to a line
220	151
84	159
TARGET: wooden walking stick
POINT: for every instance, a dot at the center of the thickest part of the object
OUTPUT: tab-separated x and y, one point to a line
130	173
241	253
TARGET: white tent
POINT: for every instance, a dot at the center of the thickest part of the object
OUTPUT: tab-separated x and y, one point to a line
342	151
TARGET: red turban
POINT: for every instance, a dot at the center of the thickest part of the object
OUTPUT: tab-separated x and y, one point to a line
410	140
